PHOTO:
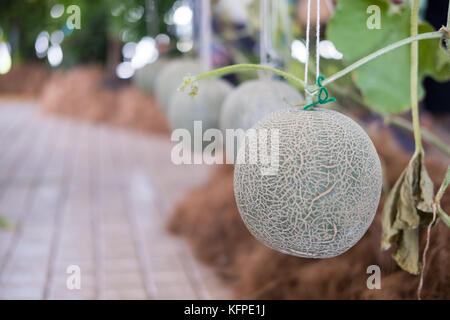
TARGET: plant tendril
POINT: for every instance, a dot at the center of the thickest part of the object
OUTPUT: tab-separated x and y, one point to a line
192	82
320	98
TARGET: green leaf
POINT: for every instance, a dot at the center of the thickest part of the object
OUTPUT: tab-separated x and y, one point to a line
5	223
408	206
385	81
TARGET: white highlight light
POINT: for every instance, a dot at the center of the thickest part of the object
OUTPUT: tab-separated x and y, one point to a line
185	45
129	50
55	55
124	70
135	14
57	37
5	58
298	51
57	11
237	10
183	15
146	53
117	11
41	44
329	51
162	39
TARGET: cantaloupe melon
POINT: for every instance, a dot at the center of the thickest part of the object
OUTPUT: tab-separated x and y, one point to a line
171	77
254	99
205	106
326	192
145	78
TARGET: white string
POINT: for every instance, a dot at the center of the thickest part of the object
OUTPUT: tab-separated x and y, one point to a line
308	27
205	32
152	18
284	17
274	25
308	23
318	39
263	34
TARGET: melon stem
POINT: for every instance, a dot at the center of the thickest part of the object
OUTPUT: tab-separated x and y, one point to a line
413	39
414	64
448	28
441	34
241	68
444	217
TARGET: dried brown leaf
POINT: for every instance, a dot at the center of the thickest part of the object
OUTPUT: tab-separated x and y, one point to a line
408	206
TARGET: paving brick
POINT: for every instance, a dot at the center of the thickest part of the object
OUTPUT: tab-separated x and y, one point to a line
95	197
20	292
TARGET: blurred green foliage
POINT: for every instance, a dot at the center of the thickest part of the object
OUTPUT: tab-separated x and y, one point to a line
102	21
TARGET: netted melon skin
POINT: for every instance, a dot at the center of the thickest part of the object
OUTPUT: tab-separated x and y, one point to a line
205	106
252	100
171	77
327	189
146	77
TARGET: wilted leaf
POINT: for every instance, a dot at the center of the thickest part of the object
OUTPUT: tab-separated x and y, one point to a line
408	206
385	81
407	253
444	216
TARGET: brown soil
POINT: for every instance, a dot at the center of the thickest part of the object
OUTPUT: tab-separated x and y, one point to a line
209	219
25	80
81	93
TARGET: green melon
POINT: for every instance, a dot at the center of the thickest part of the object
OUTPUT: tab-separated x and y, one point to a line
254	99
171	78
326	192
146	77
205	106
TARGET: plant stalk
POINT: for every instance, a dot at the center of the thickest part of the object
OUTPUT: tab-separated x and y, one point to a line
444	217
396	121
240	68
376	54
427	135
415	76
248	67
448	16
448	28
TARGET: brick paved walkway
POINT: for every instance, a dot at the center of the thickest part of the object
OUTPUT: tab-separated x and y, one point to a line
96	197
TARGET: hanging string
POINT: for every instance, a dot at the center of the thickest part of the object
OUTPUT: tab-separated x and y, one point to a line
323	92
286	29
205	32
317	39
273	13
264	38
263	33
152	18
322	96
308	23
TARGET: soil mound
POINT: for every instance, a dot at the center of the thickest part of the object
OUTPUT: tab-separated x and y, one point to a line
81	93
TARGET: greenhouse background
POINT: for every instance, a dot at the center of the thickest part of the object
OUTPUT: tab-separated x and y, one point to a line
97	202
